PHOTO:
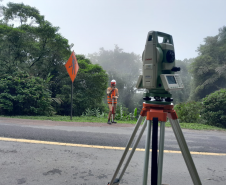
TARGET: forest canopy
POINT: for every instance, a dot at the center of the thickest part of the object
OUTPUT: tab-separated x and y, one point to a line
36	48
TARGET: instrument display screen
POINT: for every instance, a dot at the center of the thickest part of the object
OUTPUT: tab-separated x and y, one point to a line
171	79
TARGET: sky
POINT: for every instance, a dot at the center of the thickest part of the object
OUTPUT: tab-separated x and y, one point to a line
92	24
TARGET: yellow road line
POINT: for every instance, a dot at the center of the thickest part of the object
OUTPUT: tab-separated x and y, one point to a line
97	146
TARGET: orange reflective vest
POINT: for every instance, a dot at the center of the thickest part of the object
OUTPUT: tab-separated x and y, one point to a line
113	93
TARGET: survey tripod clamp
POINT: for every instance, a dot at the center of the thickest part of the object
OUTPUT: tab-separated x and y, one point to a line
156	113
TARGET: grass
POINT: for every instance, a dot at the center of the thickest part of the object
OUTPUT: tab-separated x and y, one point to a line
74	119
197	126
193	126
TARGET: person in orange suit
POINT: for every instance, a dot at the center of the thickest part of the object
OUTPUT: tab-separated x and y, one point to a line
112	96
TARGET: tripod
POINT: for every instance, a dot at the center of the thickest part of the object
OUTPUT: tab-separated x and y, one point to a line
155	113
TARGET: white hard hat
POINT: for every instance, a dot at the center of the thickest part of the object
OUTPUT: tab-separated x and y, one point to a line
113	82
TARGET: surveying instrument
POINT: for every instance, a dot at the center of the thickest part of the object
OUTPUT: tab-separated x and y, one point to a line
158	79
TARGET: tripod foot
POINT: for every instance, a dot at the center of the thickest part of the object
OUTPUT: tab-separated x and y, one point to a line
116	182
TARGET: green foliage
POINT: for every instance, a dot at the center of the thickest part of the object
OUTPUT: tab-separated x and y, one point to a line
80	119
214	108
92	114
188	112
208	69
21	12
89	90
21	94
124	68
89	112
123	114
135	112
35	47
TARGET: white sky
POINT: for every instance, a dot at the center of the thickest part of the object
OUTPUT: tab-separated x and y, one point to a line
91	24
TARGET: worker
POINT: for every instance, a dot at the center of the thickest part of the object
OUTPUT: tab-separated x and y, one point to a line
112	96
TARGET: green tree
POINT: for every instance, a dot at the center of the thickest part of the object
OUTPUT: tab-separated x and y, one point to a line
124	68
23	13
214	108
34	46
188	112
208	69
89	88
22	94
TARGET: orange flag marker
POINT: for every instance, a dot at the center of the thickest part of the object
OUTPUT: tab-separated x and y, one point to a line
72	66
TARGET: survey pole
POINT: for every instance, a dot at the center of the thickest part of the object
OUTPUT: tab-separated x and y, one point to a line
72	68
71	98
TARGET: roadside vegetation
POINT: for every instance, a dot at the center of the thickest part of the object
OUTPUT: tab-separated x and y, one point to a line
192	126
189	120
34	83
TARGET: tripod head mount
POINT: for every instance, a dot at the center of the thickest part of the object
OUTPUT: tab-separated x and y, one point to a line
159	69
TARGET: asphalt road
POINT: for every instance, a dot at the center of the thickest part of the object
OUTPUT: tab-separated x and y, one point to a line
43	163
108	135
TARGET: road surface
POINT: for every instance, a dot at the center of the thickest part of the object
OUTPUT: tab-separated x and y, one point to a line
48	152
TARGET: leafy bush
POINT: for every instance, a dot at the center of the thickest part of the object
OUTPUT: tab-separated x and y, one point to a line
122	113
89	113
135	113
21	94
188	112
89	88
214	108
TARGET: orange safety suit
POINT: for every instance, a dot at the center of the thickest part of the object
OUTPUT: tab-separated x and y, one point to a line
110	94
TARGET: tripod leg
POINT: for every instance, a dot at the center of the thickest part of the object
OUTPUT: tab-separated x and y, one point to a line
161	152
147	151
133	150
127	148
154	158
185	151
